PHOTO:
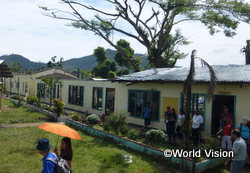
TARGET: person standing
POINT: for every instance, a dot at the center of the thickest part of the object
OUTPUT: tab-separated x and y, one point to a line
147	116
196	127
239	150
43	148
226	127
245	132
181	118
66	150
167	115
171	125
225	114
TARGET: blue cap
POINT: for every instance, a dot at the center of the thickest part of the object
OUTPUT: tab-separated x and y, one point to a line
43	144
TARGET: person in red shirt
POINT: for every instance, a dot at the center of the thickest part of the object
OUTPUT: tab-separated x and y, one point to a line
226	127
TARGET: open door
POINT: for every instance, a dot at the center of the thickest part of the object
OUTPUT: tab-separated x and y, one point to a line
218	103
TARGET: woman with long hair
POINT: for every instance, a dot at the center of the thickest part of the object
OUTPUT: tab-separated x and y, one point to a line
66	150
171	125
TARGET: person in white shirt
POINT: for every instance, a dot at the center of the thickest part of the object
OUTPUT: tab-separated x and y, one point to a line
196	127
181	118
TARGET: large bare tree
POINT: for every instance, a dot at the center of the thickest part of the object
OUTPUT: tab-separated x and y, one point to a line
152	22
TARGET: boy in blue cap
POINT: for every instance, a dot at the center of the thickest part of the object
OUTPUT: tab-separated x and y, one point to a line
43	148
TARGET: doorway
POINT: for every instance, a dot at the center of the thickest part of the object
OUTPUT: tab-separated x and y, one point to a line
217	108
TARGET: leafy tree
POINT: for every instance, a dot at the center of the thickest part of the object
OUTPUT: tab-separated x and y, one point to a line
16	67
187	91
49	87
111	74
100	54
42	67
105	65
52	63
155	29
123	62
86	74
29	71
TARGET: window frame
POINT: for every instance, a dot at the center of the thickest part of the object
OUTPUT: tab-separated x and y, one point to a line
144	101
195	104
97	99
77	91
40	86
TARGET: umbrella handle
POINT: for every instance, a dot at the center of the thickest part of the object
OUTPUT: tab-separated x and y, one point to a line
57	141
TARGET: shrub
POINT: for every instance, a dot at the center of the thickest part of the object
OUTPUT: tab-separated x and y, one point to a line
157	136
32	100
19	99
93	119
211	143
75	116
106	127
123	130
58	106
117	122
133	134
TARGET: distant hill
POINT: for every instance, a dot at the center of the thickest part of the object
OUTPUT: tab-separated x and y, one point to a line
25	63
86	62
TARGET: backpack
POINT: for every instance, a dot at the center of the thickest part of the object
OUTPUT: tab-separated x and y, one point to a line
61	165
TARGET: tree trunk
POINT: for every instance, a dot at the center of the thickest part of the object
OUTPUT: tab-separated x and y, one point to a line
187	91
247	52
187	118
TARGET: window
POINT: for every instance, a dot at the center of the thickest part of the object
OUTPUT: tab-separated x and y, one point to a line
41	90
56	91
17	85
137	100
75	95
110	100
97	98
197	102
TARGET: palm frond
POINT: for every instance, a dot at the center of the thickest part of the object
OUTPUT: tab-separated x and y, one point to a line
190	77
213	79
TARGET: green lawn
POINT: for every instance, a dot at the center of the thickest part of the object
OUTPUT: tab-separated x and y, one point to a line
91	155
11	114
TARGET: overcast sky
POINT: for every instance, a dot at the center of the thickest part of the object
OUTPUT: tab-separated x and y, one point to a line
26	31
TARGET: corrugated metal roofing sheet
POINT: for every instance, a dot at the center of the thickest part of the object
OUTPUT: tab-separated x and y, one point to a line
230	73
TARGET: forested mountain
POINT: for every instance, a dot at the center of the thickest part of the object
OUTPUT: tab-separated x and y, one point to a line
24	62
86	62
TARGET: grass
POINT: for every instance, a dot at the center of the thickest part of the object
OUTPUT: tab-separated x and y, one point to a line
11	114
91	155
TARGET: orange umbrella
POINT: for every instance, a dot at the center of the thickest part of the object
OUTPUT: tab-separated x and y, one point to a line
60	129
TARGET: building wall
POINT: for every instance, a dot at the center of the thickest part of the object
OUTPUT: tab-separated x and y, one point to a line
169	96
88	94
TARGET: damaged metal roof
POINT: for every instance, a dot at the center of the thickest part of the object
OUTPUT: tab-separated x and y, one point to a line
230	73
